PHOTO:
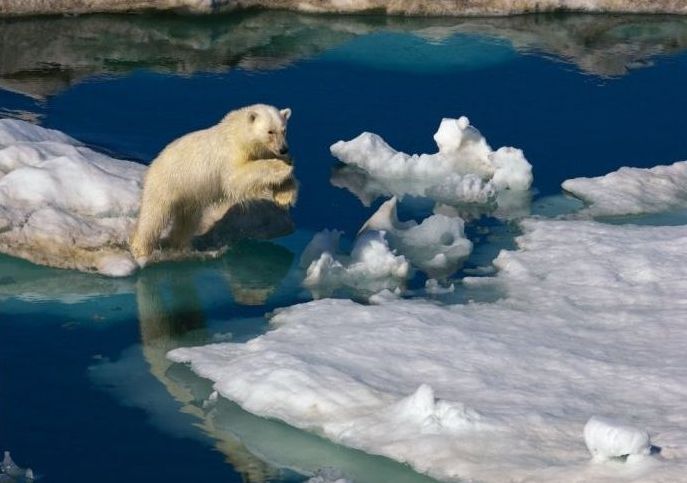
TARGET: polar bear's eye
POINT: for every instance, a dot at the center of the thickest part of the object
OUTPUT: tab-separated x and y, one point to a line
270	132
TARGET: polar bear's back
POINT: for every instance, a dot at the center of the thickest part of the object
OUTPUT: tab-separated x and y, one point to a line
190	167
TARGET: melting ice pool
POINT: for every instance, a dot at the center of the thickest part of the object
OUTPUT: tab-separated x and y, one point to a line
88	392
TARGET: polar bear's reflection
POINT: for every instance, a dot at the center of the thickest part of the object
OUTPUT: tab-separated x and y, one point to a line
171	315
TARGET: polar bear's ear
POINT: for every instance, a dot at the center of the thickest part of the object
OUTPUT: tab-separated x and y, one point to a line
252	116
285	113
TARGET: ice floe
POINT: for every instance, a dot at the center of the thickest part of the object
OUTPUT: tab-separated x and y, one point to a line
632	191
65	205
592	322
384	253
437	245
372	265
465	170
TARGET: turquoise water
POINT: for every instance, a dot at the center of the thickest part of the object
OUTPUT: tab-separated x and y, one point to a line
86	392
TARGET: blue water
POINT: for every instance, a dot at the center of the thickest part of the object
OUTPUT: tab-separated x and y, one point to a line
86	393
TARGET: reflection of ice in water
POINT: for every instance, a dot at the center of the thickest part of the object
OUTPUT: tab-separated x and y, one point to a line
170	316
23	280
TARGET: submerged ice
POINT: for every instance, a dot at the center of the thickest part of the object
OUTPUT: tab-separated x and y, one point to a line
465	170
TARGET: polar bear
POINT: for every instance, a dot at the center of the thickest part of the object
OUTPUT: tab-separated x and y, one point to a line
196	178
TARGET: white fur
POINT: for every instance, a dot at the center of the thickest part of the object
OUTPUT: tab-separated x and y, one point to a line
196	178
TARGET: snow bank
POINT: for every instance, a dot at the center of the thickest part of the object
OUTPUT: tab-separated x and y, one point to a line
63	204
591	324
372	265
464	171
437	246
632	191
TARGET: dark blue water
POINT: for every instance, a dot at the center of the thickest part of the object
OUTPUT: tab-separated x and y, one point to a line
86	393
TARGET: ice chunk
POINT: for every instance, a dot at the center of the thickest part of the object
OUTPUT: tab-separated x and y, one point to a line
632	191
437	246
607	438
591	323
511	170
371	267
13	472
465	170
64	204
326	241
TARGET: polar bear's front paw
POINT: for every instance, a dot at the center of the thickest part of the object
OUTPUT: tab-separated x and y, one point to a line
286	194
282	171
285	199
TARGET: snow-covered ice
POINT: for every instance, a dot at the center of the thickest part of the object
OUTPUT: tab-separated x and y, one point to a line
437	245
632	191
372	265
465	170
63	204
592	323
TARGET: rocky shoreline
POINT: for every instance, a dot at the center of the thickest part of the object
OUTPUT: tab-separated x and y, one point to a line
454	8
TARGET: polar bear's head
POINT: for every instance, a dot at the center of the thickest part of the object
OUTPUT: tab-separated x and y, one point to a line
267	128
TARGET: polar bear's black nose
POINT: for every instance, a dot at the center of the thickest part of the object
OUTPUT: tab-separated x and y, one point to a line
284	150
